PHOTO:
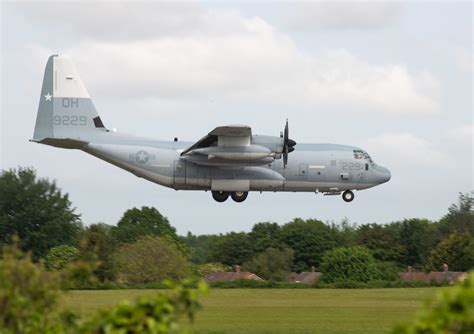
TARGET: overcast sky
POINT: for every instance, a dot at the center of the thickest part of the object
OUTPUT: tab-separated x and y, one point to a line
393	78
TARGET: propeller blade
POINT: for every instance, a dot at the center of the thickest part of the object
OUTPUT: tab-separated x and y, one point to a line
287	144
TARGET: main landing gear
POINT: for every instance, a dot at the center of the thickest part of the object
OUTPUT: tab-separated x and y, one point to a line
347	196
237	196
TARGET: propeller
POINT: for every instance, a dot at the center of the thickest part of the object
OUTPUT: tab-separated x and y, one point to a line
287	145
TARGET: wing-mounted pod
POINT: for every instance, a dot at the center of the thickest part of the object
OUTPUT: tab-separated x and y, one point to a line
228	146
246	153
234	145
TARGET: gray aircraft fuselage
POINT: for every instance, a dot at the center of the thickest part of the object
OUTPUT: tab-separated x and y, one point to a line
229	161
326	168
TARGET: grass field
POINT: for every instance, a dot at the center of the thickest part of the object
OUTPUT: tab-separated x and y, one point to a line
282	310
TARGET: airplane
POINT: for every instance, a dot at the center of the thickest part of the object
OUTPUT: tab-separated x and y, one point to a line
230	161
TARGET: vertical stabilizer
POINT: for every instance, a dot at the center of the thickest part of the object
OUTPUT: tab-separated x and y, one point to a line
65	108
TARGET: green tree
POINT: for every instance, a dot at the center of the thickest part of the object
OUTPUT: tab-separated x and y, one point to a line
416	237
451	312
349	264
231	249
383	241
457	251
346	233
97	242
37	212
273	264
150	259
136	223
199	247
59	257
265	235
309	239
460	217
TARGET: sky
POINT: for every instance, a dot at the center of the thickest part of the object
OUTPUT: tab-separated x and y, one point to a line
395	78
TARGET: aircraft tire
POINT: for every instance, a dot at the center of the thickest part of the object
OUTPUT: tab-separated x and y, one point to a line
239	196
220	196
347	196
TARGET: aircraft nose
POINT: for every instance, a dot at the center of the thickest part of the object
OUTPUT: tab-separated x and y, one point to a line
384	174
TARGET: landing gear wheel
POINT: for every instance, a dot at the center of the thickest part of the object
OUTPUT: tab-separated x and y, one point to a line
347	196
220	196
239	196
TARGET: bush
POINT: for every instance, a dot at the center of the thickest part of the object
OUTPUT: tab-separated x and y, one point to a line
59	257
80	275
150	259
28	296
29	304
255	284
451	312
157	314
388	271
349	264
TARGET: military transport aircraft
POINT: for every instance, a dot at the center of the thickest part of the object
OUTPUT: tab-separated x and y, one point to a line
228	161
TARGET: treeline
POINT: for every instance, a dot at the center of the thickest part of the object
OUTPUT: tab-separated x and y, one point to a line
419	243
144	248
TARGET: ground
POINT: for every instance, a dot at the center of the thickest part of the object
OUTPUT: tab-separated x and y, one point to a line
282	310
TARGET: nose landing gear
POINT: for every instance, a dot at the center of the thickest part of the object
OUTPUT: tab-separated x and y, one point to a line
237	196
347	196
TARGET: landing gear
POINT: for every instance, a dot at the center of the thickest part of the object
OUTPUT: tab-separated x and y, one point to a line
239	196
220	196
347	196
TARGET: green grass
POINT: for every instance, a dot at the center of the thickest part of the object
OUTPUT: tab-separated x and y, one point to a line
282	310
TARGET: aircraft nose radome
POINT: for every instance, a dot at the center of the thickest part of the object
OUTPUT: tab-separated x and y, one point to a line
385	175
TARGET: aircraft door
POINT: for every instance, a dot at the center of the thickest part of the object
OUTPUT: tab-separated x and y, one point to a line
179	173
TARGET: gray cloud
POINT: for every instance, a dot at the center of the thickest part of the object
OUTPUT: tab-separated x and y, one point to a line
120	21
257	63
340	15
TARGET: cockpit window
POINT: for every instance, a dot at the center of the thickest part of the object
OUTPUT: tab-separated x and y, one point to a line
360	154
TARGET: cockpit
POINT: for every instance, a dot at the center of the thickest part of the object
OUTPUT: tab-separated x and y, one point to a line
363	155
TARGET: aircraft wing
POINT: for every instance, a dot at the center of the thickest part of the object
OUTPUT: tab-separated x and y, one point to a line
243	131
231	135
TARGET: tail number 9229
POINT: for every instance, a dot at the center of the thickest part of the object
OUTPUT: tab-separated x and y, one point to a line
70	120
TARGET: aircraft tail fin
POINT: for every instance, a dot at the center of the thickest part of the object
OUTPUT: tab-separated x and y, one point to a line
65	108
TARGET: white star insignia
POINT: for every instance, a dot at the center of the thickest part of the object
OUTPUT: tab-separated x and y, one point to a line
142	157
48	97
